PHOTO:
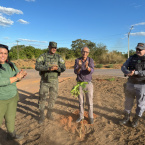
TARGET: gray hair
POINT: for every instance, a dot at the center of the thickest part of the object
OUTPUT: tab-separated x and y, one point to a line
84	47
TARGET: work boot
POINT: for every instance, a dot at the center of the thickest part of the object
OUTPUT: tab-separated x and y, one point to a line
91	121
79	120
49	114
125	120
11	136
135	121
42	117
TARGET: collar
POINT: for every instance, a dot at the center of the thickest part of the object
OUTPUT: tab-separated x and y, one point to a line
85	60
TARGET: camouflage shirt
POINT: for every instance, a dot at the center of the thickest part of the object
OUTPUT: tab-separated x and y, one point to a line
46	60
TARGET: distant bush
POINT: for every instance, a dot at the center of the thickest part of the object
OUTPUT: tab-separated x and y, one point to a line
29	67
110	66
25	52
23	67
98	52
111	58
99	66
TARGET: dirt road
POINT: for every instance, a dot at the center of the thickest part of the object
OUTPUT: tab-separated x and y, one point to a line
70	73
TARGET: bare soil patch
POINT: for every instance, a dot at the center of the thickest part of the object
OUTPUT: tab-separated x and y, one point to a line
30	64
108	110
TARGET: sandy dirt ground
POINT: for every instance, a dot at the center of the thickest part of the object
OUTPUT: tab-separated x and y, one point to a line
108	110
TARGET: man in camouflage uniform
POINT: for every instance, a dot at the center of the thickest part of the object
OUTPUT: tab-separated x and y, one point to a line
49	65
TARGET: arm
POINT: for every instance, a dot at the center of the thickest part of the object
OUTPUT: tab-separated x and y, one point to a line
61	65
90	66
40	65
77	66
7	81
124	67
125	70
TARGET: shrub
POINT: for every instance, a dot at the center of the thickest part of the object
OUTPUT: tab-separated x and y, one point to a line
111	79
23	67
110	66
111	58
99	66
29	67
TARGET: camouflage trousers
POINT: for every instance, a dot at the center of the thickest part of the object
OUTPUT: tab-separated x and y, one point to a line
48	89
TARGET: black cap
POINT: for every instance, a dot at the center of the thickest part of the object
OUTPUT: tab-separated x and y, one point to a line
4	46
141	46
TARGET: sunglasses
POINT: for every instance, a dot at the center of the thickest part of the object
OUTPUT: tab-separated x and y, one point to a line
53	48
137	49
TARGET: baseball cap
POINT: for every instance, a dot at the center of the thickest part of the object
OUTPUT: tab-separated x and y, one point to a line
53	44
141	46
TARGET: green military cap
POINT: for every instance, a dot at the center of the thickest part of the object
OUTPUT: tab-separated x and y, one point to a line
53	44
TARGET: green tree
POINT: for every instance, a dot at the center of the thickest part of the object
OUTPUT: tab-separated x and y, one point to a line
100	49
29	52
131	52
14	52
38	52
65	52
79	43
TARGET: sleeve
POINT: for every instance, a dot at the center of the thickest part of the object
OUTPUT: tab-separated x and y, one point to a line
91	65
61	65
124	67
16	68
76	66
40	65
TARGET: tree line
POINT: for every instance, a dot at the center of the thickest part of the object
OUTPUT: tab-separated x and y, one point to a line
98	52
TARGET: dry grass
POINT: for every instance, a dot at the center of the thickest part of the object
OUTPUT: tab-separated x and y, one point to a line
111	58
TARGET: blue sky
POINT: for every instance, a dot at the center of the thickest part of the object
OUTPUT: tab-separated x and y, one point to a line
36	22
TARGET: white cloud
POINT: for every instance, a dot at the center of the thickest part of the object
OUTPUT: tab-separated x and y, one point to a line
10	11
30	0
28	40
143	23
138	34
6	38
5	22
124	36
37	45
23	21
137	6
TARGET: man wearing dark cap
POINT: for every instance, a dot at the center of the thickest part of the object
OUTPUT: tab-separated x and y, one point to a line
134	68
49	65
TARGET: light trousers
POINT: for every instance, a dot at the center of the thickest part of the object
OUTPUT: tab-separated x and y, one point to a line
88	92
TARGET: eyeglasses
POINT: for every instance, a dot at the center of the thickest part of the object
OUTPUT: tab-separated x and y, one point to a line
85	52
137	49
